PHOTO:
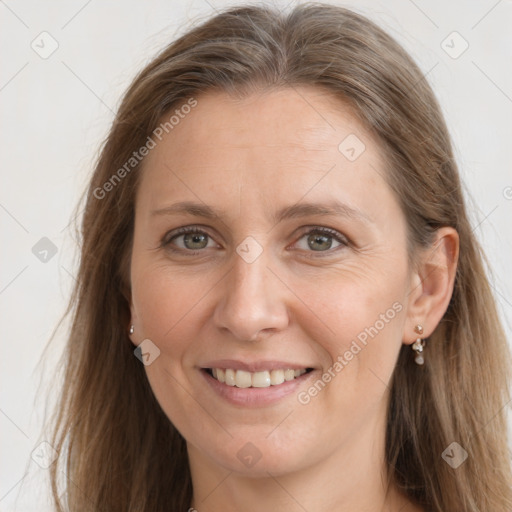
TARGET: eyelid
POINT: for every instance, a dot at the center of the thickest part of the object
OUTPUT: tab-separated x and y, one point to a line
323	229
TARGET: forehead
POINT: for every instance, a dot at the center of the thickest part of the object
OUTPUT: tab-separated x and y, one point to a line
261	148
305	118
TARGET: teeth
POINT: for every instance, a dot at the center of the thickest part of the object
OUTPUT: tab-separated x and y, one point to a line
230	377
261	380
265	379
289	374
242	379
276	377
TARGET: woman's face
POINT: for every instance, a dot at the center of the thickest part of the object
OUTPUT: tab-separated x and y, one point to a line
267	240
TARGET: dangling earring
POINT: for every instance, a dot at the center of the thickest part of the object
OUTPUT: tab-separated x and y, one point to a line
418	345
132	329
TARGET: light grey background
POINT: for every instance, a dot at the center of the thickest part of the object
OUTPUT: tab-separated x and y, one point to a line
55	111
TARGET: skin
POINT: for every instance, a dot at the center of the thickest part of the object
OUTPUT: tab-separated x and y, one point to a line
296	302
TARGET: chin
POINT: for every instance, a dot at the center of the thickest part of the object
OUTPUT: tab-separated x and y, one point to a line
260	457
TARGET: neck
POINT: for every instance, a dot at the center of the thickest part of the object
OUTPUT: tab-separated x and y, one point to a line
354	477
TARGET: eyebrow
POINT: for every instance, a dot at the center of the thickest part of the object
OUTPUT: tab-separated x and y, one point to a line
330	208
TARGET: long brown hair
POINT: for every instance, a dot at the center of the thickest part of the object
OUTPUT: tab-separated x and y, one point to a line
117	448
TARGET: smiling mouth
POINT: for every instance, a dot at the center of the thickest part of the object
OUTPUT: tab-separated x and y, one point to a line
263	379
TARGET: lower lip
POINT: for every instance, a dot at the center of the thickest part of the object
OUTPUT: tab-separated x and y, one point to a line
255	397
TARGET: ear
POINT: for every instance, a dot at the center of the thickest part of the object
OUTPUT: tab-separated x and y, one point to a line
432	284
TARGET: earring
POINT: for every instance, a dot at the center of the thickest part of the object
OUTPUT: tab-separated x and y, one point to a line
418	345
132	329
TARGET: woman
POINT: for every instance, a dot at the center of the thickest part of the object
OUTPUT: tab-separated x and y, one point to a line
280	277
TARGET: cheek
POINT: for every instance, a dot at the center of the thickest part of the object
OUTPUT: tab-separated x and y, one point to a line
167	306
360	316
166	302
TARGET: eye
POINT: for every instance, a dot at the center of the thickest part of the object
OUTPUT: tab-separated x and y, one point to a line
188	239
321	239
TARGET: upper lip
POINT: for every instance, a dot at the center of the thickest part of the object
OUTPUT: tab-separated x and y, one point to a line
254	366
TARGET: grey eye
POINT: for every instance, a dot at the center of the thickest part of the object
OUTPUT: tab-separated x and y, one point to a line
191	240
319	242
194	241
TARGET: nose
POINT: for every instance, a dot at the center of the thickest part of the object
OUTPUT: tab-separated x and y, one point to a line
253	301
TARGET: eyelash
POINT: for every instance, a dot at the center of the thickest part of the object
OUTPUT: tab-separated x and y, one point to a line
169	237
